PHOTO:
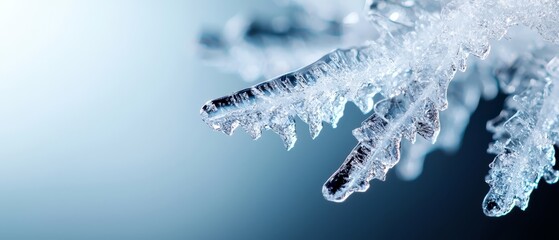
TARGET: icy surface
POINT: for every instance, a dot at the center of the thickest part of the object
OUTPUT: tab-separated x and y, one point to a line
524	136
464	94
420	47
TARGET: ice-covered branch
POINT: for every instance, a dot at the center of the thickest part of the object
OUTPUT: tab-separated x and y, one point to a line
415	111
315	93
463	96
409	67
379	138
524	136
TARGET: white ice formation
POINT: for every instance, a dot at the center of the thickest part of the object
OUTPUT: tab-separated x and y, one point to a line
420	45
524	134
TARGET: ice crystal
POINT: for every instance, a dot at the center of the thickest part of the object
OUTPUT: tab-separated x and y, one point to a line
417	49
524	136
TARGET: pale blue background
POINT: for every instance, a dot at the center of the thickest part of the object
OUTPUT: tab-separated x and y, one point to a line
100	138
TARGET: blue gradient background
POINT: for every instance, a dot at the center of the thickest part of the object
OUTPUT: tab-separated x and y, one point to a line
100	138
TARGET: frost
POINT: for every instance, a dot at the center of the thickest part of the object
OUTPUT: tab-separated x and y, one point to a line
463	96
417	50
524	136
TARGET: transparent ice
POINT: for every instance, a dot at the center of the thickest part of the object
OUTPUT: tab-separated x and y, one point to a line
409	64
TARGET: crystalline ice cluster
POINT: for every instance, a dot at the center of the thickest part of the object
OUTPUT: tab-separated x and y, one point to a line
524	134
409	65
